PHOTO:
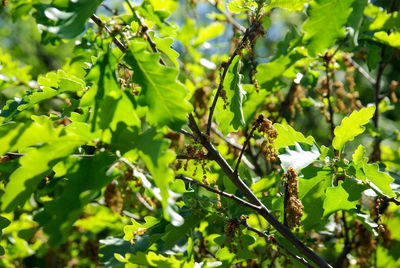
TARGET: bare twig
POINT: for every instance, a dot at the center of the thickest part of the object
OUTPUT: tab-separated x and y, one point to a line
273	240
228	17
246	36
327	59
211	189
17	155
116	41
255	125
245	190
184	156
186	133
360	70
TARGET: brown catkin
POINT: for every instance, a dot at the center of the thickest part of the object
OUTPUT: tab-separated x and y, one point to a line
294	207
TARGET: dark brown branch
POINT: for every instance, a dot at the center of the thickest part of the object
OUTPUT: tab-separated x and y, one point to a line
211	189
327	59
246	36
116	41
391	199
17	155
245	190
186	133
184	156
377	87
272	239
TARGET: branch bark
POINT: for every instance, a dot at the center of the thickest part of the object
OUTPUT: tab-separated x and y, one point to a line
116	41
245	190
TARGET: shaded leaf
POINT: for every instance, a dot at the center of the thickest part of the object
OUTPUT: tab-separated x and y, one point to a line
345	196
161	92
325	24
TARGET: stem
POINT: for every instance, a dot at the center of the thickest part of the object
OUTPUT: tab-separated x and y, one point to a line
244	147
360	70
116	41
272	239
327	59
381	68
228	17
246	36
231	196
244	189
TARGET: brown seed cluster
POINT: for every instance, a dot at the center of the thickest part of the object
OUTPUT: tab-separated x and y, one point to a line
139	231
294	207
113	197
270	134
232	227
364	244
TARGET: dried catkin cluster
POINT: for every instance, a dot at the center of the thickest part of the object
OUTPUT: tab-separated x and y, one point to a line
270	134
294	207
232	227
364	244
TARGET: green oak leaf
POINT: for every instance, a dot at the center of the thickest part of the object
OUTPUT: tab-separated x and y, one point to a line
35	166
351	126
233	118
130	229
393	39
292	5
288	136
325	24
64	21
371	175
269	74
85	178
381	20
155	153
312	186
161	92
344	196
298	156
16	136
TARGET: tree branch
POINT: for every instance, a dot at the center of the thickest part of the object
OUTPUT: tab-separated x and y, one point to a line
360	70
255	125
116	41
391	199
246	36
272	239
231	196
327	59
228	17
244	189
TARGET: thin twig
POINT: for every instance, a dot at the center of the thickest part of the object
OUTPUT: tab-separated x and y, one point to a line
228	17
272	239
255	125
184	156
116	41
211	189
17	155
327	59
391	199
186	133
245	190
246	36
233	144
360	70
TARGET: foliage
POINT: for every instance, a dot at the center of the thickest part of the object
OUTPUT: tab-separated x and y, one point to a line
200	134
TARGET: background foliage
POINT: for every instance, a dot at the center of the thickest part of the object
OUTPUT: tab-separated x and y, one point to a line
199	133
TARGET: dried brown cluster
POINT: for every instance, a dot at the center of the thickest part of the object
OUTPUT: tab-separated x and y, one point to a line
294	207
232	227
270	134
113	197
393	86
201	97
196	153
139	231
364	244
